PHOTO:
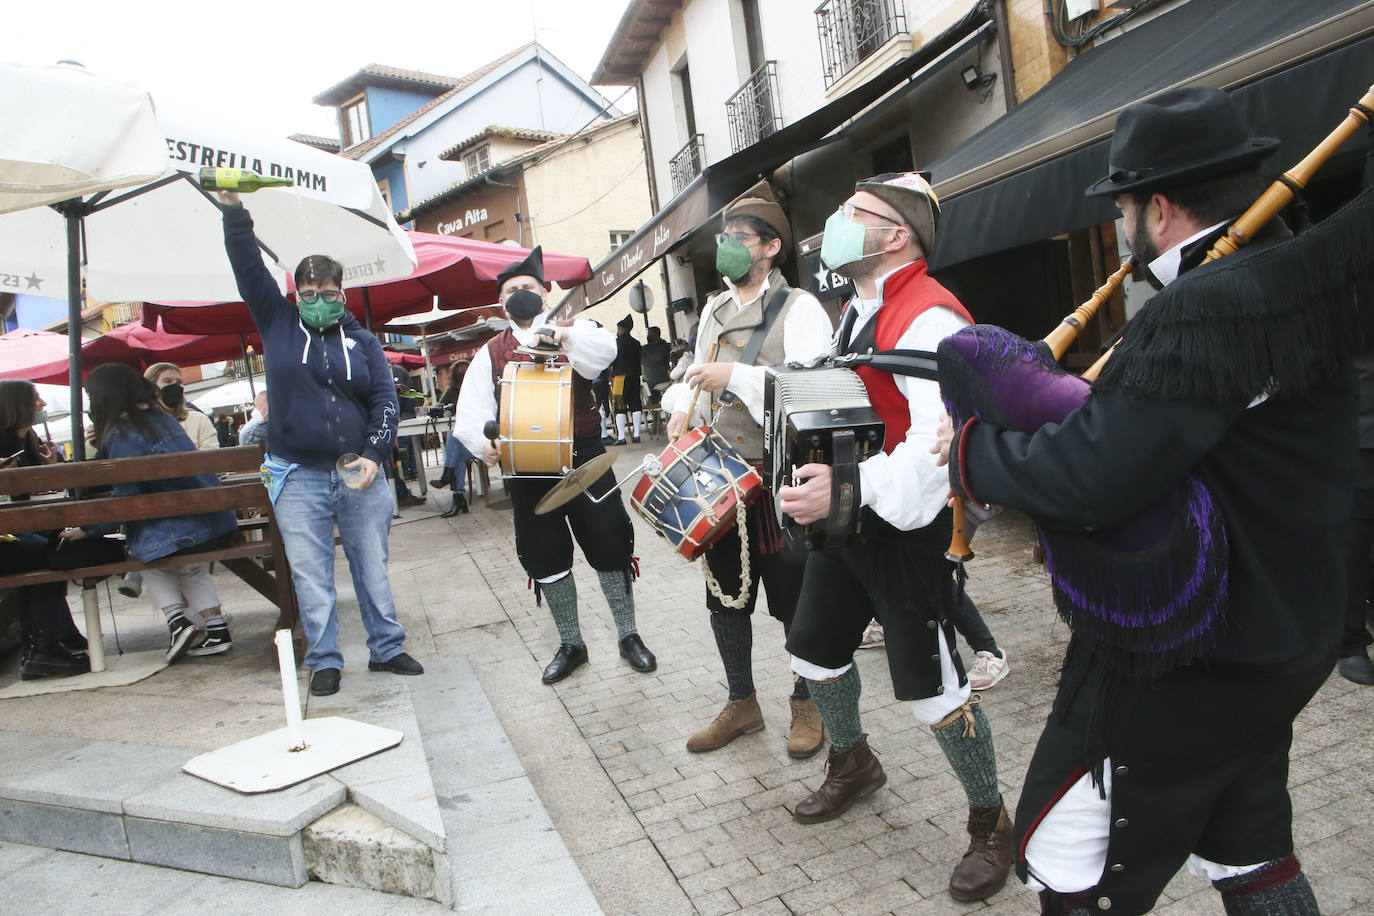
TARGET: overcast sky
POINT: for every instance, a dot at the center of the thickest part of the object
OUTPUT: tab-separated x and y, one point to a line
256	66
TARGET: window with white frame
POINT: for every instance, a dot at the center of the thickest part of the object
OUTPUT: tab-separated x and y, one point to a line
620	237
354	122
478	160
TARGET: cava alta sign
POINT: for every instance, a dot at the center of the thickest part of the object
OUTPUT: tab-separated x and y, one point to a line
472	217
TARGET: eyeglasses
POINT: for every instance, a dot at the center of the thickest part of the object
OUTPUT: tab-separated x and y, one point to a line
328	295
848	210
723	237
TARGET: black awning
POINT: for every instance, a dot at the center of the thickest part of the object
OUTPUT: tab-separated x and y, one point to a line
1294	67
723	181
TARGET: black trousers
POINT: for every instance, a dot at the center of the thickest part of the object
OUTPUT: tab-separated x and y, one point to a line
781	573
43	609
544	543
1355	638
1200	765
900	578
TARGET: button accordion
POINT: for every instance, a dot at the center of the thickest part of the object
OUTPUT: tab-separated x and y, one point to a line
819	416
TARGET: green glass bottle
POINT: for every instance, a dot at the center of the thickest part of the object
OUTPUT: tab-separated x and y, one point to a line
244	181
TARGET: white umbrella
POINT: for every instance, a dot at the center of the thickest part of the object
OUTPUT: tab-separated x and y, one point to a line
96	136
59	398
231	394
67	134
164	239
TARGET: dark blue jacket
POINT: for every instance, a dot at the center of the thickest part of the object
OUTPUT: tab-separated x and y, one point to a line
152	538
328	393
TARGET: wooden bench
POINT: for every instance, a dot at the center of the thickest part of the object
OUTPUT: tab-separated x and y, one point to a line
260	563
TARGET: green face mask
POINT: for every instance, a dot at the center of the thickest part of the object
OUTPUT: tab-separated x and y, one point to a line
733	259
320	313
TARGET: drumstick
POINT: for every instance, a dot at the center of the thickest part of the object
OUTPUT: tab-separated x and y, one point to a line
693	406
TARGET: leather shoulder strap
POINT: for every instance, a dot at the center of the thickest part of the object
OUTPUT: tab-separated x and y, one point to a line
770	315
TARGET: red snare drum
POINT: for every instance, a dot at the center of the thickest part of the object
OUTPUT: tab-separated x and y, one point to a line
691	504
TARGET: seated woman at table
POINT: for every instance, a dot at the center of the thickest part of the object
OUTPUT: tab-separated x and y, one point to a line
52	643
166	378
130	422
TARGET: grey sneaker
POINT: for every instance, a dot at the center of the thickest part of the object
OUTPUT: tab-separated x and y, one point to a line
131	586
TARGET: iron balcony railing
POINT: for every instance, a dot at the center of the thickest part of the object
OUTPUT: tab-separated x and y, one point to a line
851	30
753	111
687	163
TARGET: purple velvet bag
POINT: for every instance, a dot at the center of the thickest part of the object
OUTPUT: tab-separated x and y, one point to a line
1152	591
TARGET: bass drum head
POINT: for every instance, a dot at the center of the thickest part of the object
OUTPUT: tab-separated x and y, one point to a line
536	419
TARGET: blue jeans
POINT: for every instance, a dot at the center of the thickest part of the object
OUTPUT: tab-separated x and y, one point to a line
309	504
457	456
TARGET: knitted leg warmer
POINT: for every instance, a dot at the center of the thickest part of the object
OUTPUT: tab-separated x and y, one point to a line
966	738
838	701
561	595
735	641
615	585
1276	889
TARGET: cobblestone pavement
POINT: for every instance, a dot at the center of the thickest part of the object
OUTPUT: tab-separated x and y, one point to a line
656	829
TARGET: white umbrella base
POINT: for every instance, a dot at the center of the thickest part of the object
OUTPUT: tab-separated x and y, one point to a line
266	763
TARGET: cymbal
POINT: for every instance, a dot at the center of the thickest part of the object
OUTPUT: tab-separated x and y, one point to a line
575	483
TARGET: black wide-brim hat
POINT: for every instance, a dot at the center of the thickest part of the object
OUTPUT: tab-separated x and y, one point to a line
1177	138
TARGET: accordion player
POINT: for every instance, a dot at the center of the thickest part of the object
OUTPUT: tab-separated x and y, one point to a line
819	415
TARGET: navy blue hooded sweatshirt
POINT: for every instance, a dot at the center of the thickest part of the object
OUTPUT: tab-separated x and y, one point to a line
328	392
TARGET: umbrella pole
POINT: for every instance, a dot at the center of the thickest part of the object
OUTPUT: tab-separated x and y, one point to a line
248	366
429	368
367	310
74	303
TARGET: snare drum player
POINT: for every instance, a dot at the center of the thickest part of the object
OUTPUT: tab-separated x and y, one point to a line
544	542
898	574
758	321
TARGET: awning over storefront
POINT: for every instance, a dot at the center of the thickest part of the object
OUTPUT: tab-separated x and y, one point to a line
1294	67
723	181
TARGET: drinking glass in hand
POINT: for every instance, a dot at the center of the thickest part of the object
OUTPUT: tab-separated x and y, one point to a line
350	468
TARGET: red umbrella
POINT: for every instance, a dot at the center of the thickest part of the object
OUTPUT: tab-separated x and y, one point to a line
405	360
461	272
26	354
140	347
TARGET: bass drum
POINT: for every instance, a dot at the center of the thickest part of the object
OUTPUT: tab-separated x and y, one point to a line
693	502
536	419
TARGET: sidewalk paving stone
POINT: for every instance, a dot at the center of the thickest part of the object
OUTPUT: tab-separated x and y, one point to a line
654	828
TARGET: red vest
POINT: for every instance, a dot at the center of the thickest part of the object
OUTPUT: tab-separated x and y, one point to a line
586	416
906	295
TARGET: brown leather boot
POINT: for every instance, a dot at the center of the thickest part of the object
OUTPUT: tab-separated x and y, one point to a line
807	735
850	775
983	870
739	717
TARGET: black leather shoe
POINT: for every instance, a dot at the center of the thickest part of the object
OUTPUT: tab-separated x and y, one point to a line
1357	668
445	479
324	682
457	505
633	651
410	500
565	661
398	664
45	658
